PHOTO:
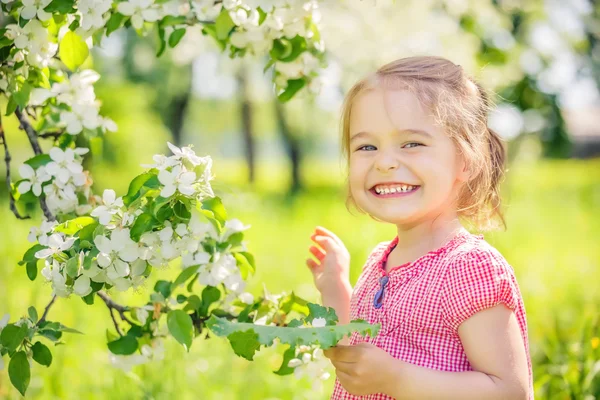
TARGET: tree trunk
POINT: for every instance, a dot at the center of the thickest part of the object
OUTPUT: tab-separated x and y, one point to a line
247	129
292	146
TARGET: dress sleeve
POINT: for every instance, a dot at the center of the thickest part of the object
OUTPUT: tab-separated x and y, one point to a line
475	281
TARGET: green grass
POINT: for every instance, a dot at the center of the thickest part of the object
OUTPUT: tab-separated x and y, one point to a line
553	216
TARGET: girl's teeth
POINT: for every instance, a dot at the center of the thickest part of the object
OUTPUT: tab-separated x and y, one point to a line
397	189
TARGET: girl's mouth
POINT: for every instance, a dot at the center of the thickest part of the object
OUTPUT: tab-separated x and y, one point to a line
393	191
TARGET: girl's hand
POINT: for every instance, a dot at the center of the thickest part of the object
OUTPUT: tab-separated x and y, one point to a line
333	265
362	369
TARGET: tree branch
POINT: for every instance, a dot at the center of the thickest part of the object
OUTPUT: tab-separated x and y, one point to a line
112	316
31	133
7	160
35	145
46	310
112	305
54	135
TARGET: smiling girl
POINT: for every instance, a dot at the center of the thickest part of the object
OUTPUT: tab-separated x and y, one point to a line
453	323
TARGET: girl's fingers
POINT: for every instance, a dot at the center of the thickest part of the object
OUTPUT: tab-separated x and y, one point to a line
320	254
326	232
312	264
325	242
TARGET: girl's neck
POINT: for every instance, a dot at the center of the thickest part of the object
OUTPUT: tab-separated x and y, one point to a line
417	240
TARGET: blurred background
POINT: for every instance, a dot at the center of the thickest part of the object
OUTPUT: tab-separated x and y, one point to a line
279	168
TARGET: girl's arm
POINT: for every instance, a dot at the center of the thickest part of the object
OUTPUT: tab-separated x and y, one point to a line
494	346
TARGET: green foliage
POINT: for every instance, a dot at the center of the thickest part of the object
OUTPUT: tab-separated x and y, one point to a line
73	50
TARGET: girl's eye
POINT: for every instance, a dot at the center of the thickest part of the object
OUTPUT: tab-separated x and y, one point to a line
366	146
415	144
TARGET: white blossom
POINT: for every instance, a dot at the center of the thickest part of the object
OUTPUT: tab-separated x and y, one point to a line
40	234
177	180
82	287
31	8
111	206
139	11
63	164
33	179
185	154
233	226
93	13
56	244
116	253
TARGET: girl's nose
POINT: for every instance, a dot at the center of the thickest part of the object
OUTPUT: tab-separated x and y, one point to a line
386	161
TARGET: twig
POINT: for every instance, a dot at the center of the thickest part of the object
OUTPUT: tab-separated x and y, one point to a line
54	135
112	315
112	305
31	133
35	145
7	160
46	310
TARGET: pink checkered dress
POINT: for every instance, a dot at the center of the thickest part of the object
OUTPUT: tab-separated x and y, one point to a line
426	300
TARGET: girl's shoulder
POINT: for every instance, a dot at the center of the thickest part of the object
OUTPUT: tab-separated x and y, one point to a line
475	251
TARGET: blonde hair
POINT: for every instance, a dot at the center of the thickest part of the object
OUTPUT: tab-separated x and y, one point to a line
461	106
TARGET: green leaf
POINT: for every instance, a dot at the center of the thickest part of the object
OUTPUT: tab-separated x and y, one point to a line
33	315
143	223
170	20
31	270
264	335
87	233
181	327
74	225
60	6
22	96
294	85
51	334
210	294
115	21
298	45
42	354
19	372
281	48
181	211
73	50
29	255
64	328
162	42
11	106
318	311
145	179
184	276
73	267
194	303
245	344
289	354
294	303
125	345
211	30
12	336
224	24
89	299
244	265
38	161
215	205
176	37
163	287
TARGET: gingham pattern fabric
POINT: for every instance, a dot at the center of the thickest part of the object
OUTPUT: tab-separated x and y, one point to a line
426	300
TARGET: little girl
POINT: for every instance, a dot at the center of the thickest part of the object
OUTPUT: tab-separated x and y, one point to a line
453	325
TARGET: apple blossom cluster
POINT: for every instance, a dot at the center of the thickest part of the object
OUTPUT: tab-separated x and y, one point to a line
109	254
62	181
74	107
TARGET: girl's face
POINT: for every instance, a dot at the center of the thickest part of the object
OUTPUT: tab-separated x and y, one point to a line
404	169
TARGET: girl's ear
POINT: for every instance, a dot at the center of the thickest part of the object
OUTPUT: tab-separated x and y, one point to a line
464	170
